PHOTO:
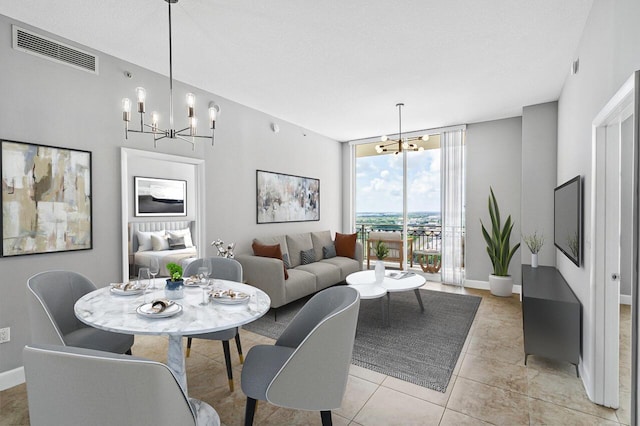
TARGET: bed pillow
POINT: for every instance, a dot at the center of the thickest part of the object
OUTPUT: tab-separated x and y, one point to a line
159	243
269	251
176	243
144	239
186	233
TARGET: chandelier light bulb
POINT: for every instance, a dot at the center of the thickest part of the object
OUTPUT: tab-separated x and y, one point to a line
141	94
213	113
379	149
384	138
126	109
191	101
155	118
405	145
425	138
421	149
193	123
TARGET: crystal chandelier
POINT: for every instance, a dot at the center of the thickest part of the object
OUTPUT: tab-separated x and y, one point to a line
188	134
400	144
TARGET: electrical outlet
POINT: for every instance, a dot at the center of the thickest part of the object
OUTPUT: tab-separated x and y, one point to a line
5	334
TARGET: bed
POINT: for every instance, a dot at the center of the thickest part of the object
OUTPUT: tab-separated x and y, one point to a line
168	241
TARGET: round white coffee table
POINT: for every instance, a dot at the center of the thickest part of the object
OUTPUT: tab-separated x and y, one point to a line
365	283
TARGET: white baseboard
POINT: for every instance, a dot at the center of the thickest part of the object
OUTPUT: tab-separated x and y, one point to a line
484	285
625	299
11	378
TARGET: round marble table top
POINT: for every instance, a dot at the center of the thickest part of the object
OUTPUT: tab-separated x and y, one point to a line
107	311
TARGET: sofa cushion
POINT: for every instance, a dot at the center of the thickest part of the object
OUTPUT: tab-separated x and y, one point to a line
297	243
268	241
307	256
320	240
300	284
326	274
347	266
329	251
269	251
346	245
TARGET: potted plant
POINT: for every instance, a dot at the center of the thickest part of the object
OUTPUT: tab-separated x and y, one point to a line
535	243
499	250
175	284
381	251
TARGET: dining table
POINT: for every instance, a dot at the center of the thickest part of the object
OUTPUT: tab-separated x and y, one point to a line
110	309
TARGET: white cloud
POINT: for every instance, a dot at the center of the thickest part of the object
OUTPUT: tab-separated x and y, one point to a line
384	173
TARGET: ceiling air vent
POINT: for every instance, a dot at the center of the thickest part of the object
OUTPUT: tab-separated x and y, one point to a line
30	42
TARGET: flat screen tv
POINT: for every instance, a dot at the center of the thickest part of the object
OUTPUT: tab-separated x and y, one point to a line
567	219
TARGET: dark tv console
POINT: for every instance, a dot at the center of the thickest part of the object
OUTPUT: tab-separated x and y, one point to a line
551	316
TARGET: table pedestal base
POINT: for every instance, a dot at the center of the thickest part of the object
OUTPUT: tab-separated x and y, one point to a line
175	360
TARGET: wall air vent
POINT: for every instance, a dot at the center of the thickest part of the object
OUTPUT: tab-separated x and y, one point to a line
45	47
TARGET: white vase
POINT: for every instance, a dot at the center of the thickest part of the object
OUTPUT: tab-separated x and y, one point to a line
534	260
501	286
379	271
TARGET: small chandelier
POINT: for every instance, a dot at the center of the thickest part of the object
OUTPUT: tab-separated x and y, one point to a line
188	134
400	144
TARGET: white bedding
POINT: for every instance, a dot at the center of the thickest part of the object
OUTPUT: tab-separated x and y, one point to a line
142	259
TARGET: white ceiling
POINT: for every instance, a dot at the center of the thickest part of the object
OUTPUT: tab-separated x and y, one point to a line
339	67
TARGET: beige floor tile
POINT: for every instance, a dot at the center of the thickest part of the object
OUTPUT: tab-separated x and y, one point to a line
495	373
453	418
546	413
456	369
369	375
513	354
488	403
564	389
356	395
423	393
390	407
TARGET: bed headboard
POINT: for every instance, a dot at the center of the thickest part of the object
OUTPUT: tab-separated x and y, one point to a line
171	225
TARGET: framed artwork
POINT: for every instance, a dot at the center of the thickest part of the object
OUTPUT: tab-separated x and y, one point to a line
46	199
286	198
160	197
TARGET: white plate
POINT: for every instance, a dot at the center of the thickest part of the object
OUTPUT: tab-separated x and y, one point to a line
120	292
226	300
146	310
191	283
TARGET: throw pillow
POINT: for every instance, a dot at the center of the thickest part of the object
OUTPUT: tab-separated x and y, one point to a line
346	245
159	242
307	256
176	243
329	251
285	259
269	251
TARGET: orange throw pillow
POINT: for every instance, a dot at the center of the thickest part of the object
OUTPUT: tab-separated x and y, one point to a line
346	245
269	251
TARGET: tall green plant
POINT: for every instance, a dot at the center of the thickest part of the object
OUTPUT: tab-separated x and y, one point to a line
498	242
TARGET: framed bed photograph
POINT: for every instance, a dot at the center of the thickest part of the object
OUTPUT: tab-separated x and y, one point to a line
46	199
160	197
286	198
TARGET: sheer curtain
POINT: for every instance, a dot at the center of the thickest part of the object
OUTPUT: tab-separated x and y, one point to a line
453	200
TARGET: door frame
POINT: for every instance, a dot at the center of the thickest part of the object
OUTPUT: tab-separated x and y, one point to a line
604	389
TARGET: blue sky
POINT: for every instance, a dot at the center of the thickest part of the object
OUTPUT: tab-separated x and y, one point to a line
379	182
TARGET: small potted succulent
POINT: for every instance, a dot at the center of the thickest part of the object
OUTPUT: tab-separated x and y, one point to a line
381	251
175	284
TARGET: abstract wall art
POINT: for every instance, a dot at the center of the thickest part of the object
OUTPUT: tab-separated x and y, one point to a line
160	197
46	199
286	198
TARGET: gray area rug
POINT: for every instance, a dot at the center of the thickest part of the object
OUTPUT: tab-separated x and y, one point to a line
418	347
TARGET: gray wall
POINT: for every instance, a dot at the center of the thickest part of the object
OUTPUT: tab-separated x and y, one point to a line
609	54
539	147
494	152
48	103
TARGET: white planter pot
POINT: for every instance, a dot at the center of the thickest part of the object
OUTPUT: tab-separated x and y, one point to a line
501	286
534	260
379	271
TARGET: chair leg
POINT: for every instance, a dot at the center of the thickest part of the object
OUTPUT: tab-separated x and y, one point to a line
326	418
188	346
239	346
128	352
227	360
250	411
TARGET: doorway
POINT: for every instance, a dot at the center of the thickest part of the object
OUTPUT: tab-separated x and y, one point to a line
614	251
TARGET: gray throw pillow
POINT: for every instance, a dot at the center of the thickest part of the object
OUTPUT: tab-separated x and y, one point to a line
329	251
285	259
176	243
307	256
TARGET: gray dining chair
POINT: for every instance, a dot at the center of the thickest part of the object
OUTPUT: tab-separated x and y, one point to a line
76	386
224	269
50	299
308	366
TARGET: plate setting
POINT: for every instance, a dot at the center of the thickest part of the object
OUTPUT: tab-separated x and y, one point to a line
229	297
125	289
147	310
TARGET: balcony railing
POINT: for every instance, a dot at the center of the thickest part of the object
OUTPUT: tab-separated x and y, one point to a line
425	237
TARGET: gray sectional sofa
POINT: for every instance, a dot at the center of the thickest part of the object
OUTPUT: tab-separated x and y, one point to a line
268	273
